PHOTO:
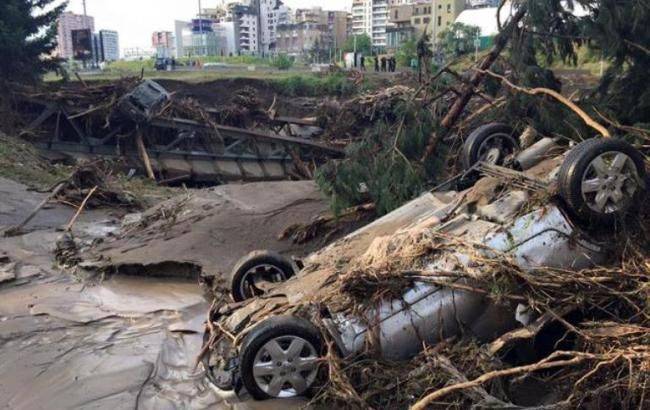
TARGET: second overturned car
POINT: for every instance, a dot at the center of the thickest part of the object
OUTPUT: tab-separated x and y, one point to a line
546	212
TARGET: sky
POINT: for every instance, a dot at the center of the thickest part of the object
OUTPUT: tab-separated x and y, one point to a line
135	20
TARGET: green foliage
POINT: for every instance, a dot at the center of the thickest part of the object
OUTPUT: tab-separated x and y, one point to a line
318	53
458	39
129	67
384	165
615	30
283	62
364	44
235	60
27	35
312	86
407	52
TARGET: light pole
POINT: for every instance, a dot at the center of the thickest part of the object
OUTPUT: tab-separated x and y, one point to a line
86	26
201	26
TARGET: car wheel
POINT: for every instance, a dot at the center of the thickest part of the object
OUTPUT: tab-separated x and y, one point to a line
280	357
256	270
602	180
491	143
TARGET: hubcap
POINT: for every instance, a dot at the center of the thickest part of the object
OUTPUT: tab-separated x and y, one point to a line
496	148
285	366
252	283
610	182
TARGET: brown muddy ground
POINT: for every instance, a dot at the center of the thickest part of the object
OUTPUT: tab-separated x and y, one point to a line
211	229
121	343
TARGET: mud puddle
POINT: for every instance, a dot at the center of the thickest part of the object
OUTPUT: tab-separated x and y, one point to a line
123	342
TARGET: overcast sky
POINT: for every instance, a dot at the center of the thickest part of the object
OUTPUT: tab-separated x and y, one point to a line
135	20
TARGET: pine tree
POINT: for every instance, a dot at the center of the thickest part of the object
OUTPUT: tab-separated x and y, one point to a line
617	30
27	38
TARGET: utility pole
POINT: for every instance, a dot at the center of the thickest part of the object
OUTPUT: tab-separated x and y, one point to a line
201	26
86	26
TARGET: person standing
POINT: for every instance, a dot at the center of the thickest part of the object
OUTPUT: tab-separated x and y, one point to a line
383	64
363	63
376	63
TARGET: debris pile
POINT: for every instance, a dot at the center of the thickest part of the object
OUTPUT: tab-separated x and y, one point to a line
349	119
96	177
590	342
172	140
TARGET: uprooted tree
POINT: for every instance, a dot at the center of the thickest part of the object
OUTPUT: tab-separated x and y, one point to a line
537	34
27	37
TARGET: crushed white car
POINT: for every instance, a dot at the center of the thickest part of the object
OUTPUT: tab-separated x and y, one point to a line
272	352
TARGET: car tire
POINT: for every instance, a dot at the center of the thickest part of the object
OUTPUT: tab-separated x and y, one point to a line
602	181
478	143
283	368
271	264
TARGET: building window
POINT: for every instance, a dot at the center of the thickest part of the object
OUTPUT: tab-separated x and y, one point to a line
396	15
439	21
448	8
416	21
426	20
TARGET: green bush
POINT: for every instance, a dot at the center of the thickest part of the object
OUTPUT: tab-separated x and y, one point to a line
129	67
283	62
313	86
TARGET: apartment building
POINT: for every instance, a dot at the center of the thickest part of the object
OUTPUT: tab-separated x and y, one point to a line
163	43
109	45
334	24
69	22
372	17
419	16
399	29
445	13
246	23
299	38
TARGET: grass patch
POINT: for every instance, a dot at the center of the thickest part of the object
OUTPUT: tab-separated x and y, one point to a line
315	86
21	162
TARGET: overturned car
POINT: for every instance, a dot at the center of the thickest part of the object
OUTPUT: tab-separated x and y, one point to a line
540	207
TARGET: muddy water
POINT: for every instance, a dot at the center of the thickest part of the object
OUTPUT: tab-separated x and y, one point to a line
122	343
63	345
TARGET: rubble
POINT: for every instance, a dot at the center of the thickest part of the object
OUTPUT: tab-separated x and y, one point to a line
172	139
371	295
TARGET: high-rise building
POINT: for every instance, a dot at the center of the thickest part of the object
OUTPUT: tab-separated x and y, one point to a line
162	42
334	25
69	22
109	45
371	17
444	14
246	23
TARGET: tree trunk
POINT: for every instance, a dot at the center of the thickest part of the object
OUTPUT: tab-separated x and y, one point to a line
468	90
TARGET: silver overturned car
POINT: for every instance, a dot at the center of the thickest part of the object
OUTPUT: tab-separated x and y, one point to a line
270	342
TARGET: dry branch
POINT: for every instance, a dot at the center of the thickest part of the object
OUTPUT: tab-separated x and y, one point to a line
559	97
16	230
68	227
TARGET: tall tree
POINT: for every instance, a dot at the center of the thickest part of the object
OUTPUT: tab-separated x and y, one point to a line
617	30
459	38
363	41
27	38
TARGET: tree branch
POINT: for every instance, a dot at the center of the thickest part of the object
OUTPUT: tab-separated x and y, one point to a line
559	97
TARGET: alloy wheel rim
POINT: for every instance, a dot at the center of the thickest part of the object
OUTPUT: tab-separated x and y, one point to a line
610	182
285	366
496	148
